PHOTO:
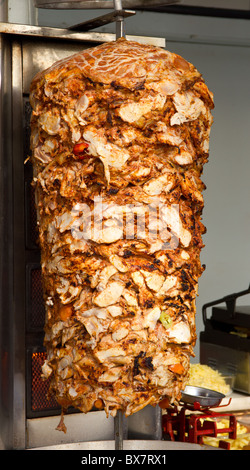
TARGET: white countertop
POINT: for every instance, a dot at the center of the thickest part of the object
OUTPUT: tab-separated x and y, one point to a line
239	401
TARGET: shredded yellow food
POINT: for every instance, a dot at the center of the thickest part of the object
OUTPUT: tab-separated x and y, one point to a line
202	375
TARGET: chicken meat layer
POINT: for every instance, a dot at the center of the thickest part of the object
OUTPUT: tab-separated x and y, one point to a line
119	137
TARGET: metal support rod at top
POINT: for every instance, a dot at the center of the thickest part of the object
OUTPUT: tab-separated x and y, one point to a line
119	20
118	425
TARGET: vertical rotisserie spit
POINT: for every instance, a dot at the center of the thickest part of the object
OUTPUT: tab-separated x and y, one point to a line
120	134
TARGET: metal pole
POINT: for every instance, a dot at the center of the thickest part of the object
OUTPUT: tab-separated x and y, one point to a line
119	431
119	416
119	20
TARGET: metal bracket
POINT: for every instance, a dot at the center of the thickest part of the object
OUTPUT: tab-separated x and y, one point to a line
102	20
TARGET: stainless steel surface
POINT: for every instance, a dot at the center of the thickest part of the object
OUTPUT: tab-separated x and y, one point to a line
80	427
145	424
6	254
129	445
12	248
92	4
65	34
204	396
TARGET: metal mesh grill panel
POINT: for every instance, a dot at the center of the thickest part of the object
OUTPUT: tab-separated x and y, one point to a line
39	390
37	309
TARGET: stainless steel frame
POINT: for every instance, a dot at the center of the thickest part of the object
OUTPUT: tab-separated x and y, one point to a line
12	257
109	4
24	50
70	37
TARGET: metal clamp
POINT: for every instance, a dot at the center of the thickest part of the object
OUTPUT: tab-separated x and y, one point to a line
117	16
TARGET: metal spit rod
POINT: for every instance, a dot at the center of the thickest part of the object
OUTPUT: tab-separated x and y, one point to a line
119	417
118	427
119	19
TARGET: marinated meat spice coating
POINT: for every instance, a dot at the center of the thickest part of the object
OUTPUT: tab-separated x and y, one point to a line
120	134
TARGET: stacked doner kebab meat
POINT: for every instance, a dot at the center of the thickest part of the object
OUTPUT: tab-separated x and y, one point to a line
120	134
